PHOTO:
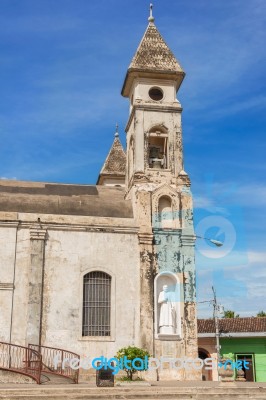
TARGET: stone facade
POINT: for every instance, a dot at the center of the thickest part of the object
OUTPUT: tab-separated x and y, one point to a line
136	226
53	264
160	191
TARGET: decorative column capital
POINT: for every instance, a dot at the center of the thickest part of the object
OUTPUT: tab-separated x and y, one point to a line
145	238
6	286
188	240
38	233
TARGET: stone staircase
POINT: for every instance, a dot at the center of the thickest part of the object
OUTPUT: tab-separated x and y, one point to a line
50	379
84	392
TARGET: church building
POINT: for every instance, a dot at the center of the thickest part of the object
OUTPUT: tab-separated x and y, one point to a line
94	268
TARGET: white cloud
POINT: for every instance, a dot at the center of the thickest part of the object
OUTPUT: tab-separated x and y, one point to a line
225	61
238	106
241	288
207	203
257	257
253	194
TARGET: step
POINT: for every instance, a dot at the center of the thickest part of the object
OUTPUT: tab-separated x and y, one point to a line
139	396
50	379
156	393
85	391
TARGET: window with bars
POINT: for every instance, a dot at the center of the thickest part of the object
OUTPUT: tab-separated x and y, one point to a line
96	304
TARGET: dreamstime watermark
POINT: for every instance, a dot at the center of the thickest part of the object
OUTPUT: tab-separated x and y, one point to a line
148	363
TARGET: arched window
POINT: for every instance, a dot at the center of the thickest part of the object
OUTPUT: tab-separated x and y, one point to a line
166	212
96	304
158	148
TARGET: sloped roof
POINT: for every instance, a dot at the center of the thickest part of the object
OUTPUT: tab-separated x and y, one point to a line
115	163
63	199
154	54
233	325
152	58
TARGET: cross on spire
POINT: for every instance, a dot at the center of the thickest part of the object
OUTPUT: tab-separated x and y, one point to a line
116	130
151	17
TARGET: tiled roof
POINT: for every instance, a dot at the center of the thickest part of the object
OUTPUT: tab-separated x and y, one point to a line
59	198
154	54
249	324
115	163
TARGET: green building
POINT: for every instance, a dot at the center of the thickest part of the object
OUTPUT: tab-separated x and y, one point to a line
244	337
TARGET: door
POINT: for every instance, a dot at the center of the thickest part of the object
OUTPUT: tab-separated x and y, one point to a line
206	374
250	371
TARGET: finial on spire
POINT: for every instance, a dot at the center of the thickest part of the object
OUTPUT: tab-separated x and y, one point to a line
116	130
151	17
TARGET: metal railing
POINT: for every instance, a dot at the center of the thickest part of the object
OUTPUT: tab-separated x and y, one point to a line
57	361
20	359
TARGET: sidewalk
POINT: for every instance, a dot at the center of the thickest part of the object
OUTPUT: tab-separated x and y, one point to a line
163	384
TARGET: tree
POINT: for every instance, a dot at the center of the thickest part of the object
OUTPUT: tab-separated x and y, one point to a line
134	359
230	314
261	314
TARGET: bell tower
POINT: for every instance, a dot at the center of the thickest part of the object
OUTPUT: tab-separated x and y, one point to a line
159	189
154	136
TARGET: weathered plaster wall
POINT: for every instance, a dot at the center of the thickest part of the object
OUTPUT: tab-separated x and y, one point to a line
208	344
73	246
21	292
13	377
7	263
143	120
5	313
68	257
170	250
141	87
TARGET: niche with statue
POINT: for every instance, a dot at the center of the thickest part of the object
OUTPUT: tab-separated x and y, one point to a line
167	306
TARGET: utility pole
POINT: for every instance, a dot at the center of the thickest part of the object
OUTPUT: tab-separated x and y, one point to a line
217	333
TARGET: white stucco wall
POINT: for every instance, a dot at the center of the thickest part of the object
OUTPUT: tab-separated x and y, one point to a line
141	87
7	254
69	256
20	302
71	251
7	259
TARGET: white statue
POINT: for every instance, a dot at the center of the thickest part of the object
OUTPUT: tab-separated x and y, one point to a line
167	321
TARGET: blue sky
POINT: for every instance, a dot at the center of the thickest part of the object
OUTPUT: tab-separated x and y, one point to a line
62	65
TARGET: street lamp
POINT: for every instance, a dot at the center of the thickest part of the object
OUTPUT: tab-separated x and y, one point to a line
216	242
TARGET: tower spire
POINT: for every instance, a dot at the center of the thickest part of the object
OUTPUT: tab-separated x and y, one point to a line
116	130
113	171
151	17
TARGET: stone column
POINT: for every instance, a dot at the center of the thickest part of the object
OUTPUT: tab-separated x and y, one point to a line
146	292
190	316
143	207
188	251
36	270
